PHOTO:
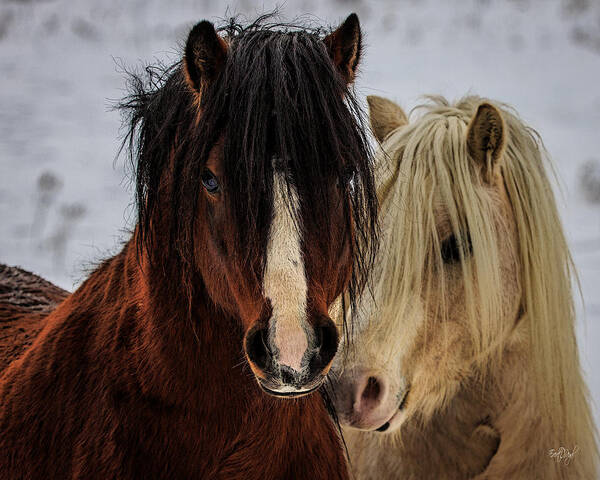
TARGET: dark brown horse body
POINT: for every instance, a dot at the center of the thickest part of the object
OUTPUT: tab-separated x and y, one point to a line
103	393
249	227
25	302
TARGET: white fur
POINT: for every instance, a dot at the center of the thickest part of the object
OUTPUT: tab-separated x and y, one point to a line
285	280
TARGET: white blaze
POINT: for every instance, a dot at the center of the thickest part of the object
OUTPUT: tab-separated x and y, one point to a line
285	280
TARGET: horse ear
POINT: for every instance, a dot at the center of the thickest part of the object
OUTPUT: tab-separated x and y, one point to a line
344	46
205	55
486	139
384	116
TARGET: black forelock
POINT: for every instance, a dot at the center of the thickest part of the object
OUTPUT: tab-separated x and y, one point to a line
280	96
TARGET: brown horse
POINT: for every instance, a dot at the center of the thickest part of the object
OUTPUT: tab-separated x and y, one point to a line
256	209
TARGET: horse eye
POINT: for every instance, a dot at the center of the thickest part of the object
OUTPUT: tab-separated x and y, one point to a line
451	249
210	182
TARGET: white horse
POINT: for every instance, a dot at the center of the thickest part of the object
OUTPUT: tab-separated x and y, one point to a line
464	362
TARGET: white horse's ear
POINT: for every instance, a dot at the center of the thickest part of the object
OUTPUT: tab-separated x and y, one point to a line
486	138
384	116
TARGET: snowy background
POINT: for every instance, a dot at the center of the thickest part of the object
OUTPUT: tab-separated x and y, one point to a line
65	203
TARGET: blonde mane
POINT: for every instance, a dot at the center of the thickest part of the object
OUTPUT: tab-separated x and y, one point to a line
425	166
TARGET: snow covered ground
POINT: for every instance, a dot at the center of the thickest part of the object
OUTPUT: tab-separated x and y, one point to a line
65	202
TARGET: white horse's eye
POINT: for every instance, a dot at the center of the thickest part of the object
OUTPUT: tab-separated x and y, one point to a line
452	246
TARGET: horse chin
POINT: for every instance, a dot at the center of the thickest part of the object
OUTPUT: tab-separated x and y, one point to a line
380	427
287	391
392	424
398	418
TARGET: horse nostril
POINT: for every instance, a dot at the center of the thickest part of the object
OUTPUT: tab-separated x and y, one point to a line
372	395
257	347
329	342
326	342
372	390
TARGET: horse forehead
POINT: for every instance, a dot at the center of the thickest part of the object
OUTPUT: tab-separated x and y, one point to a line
278	165
215	157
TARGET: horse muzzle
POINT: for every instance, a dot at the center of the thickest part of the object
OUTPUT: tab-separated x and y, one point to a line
294	364
369	400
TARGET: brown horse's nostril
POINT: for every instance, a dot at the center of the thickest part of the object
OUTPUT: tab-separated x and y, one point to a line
257	347
326	343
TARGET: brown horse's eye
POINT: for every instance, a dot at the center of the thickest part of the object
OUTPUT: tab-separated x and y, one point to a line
210	182
451	247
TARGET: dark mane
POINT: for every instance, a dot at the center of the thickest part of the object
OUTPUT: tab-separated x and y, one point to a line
279	95
188	354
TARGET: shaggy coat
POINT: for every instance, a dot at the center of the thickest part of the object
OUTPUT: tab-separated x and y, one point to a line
253	140
468	342
103	392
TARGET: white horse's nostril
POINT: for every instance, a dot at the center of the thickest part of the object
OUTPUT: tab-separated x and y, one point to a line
370	394
372	390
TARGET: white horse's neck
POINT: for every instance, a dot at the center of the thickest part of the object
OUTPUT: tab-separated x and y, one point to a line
490	431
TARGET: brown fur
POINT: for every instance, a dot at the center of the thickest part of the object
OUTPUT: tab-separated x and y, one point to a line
25	301
146	370
345	45
116	389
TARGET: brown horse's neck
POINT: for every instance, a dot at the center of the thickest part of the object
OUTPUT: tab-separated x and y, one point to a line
135	385
149	323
